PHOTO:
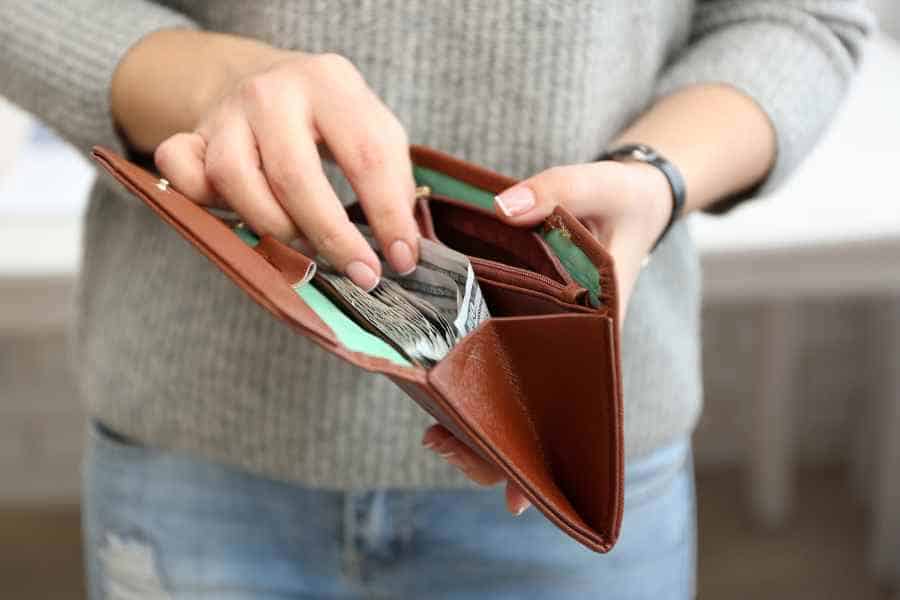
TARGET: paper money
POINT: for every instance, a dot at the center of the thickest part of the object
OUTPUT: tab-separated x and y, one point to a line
422	314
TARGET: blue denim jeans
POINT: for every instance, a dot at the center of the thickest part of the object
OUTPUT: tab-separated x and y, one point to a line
164	525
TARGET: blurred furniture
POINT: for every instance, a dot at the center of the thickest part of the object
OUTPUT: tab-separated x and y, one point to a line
43	186
832	231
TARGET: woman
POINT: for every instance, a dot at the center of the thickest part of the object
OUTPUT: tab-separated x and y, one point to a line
229	458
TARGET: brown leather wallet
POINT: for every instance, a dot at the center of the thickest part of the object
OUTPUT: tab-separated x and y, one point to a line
535	389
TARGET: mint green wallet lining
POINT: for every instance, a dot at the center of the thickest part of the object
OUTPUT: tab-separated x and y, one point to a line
357	339
445	185
348	333
345	329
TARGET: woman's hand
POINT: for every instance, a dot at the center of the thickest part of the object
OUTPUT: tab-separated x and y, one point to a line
254	144
626	205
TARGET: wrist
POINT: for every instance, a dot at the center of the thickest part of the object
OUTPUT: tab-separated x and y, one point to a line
232	59
169	80
647	156
652	196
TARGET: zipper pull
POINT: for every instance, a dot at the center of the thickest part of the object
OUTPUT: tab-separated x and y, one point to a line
573	293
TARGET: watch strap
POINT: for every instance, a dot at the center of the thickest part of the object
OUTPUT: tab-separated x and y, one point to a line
646	154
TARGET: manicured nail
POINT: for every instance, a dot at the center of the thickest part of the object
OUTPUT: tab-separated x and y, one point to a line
455	460
362	275
401	257
515	201
430	439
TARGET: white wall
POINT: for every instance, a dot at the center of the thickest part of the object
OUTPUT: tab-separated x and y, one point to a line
888	12
14	124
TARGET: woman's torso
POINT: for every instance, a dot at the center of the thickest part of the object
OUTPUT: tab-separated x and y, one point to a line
174	355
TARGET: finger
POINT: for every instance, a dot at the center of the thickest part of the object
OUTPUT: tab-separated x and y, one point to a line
371	148
533	200
180	159
516	502
233	167
440	440
303	246
294	172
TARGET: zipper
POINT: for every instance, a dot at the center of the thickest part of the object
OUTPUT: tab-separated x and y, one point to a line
571	293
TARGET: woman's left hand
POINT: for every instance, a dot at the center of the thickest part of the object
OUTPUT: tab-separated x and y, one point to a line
626	205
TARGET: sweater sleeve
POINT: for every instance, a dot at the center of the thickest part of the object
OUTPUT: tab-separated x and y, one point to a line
794	58
57	59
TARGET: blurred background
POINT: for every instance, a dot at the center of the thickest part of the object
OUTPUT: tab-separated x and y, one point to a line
798	451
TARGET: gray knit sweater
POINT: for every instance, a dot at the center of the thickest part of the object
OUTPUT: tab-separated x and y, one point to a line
171	353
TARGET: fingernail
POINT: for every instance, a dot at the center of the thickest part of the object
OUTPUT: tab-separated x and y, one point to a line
515	201
455	460
401	257
522	508
428	440
362	275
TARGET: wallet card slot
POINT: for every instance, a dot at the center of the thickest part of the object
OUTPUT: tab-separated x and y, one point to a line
505	300
575	256
479	234
571	294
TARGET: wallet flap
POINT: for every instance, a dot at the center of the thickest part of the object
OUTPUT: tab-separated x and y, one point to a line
541	397
247	267
267	271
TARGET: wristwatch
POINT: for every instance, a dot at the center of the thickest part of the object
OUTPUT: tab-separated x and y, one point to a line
646	154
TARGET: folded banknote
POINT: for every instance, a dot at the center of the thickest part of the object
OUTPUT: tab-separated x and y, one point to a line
421	314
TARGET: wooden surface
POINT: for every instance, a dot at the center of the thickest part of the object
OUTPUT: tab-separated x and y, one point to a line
819	554
40	554
885	523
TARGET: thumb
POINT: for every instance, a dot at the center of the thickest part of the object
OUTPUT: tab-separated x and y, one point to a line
528	202
533	200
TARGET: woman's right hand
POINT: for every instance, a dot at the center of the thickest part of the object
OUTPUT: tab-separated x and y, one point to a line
254	149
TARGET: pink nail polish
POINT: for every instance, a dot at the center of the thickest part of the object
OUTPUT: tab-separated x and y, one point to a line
515	201
452	458
401	257
362	275
428	440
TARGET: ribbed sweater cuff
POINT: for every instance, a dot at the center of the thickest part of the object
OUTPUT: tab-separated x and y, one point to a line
61	56
797	72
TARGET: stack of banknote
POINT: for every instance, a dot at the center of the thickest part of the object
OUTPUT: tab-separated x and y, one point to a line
422	314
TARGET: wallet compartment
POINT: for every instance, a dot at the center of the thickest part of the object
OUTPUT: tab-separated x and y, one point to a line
506	300
481	235
553	420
